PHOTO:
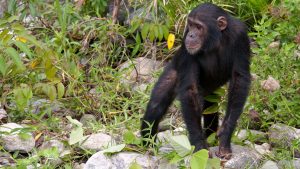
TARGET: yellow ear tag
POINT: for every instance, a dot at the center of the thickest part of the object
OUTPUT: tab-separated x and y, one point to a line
171	40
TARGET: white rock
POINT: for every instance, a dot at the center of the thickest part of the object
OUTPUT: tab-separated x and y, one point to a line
13	142
97	141
3	114
99	161
125	160
270	84
274	45
139	70
269	165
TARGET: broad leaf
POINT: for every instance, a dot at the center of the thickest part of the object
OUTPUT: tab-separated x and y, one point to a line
181	145
135	165
213	163
212	109
114	149
199	159
74	121
145	30
76	135
3	66
60	90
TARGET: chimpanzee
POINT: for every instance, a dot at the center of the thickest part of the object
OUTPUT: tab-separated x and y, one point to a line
215	50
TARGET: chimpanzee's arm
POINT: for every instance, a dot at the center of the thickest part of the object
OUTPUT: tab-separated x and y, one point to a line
162	96
237	95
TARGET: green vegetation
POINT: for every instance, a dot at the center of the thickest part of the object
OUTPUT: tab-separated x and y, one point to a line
70	53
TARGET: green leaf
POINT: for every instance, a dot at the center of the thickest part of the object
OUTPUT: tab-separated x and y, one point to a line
145	30
213	163
74	121
212	109
220	91
15	57
51	92
32	40
24	48
151	33
60	90
137	46
22	96
3	33
51	152
155	28
165	31
3	65
135	25
114	149
176	159
160	33
135	165
76	135
128	137
51	72
199	159
181	145
32	9
213	98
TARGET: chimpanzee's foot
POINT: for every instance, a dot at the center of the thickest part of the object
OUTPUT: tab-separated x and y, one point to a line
224	153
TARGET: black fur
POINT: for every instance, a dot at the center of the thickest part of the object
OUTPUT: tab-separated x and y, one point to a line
224	57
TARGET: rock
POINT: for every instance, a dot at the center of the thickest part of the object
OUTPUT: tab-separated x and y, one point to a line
269	165
121	160
61	151
270	84
139	70
79	166
98	161
31	166
166	124
97	141
13	142
297	54
242	157
165	135
274	45
254	119
6	160
254	76
262	149
125	159
87	119
165	149
51	144
3	114
40	104
139	87
253	135
295	164
282	136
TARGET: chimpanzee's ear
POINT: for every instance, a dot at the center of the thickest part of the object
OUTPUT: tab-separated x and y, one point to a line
222	22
